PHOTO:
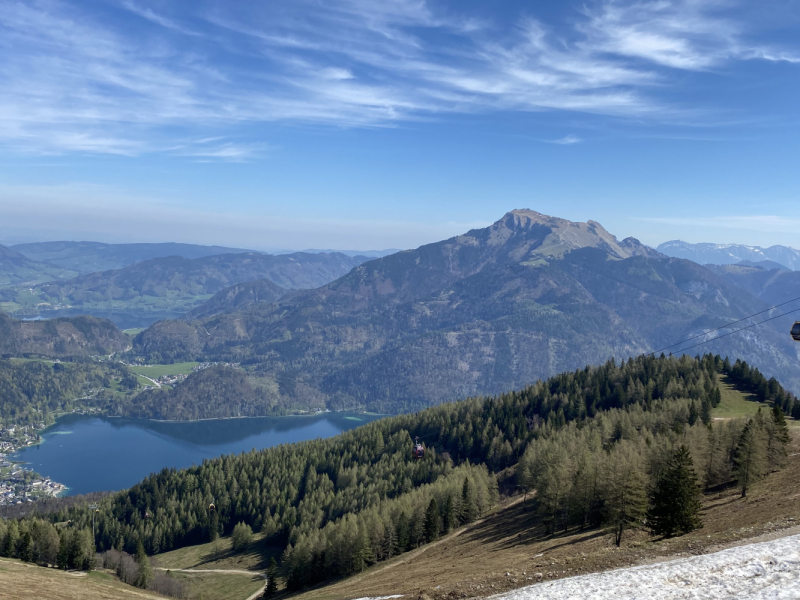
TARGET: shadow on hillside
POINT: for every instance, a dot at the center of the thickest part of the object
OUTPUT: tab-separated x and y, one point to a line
519	525
259	550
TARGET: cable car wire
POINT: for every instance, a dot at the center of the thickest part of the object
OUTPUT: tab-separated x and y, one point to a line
731	323
719	337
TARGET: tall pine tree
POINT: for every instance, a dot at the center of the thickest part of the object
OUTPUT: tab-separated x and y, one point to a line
432	521
675	508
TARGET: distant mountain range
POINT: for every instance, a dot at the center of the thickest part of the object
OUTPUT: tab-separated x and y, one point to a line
18	269
159	288
726	254
90	257
491	310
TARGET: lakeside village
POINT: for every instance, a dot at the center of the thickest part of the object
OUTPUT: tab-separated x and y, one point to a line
175	379
20	484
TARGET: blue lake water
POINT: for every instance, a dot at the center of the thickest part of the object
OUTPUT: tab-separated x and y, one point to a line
93	454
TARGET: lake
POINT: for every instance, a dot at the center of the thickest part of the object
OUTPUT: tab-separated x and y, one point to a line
93	454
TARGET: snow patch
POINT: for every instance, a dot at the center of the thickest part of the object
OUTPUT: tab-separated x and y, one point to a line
752	572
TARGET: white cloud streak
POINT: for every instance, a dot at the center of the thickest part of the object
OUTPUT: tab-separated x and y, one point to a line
567	140
78	82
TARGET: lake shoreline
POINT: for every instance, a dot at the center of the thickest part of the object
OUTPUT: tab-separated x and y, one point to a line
121	451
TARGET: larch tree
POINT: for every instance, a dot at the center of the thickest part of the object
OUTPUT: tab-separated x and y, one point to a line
625	493
750	457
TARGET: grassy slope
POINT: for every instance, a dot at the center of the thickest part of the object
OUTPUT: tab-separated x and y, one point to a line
735	404
19	581
217	555
217	586
508	549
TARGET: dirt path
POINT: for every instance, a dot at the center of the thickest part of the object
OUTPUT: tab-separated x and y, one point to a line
225	571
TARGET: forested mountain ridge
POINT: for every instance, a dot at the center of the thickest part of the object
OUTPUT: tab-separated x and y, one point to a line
238	297
91	257
490	310
171	286
16	269
58	338
339	504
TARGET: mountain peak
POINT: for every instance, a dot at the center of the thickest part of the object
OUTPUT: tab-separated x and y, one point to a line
563	235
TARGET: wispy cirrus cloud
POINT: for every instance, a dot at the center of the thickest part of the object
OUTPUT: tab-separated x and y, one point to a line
567	140
80	81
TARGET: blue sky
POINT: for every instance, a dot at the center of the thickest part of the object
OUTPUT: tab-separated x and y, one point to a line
367	124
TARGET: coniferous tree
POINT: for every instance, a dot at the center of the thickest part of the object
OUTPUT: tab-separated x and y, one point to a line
448	515
403	534
468	509
145	570
750	456
432	521
626	495
272	579
10	543
63	550
25	547
676	505
777	437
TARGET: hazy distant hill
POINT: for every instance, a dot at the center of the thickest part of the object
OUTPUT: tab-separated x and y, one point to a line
16	269
726	254
769	265
159	288
78	336
89	257
774	286
483	312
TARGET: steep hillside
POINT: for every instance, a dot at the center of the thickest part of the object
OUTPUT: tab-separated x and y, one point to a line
509	549
491	310
169	287
16	269
725	254
213	393
77	336
238	297
90	257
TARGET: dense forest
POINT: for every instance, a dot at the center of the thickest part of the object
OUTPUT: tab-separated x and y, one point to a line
31	391
596	445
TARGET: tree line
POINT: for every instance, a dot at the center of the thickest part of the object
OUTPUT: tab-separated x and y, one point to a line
630	466
39	541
